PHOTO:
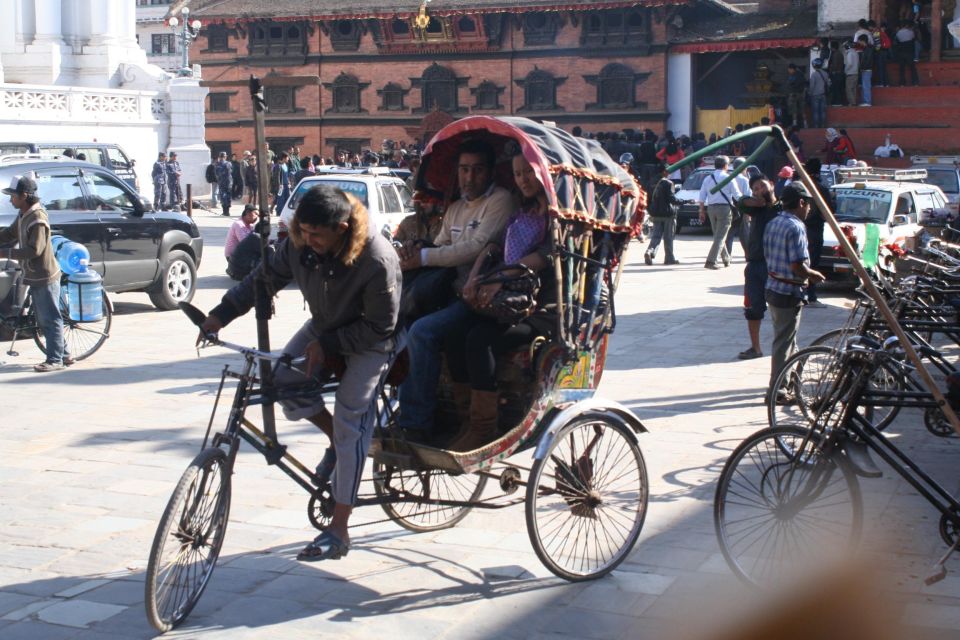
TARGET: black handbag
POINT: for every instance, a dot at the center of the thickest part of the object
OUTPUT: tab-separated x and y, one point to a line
517	297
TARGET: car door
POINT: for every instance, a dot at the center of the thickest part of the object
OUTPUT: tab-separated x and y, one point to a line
392	210
130	235
120	164
63	198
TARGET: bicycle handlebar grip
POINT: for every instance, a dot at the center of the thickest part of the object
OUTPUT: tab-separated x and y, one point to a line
196	316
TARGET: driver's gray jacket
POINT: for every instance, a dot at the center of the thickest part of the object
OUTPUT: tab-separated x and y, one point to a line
353	308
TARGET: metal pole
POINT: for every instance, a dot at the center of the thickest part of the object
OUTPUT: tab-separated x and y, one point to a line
189	200
263	300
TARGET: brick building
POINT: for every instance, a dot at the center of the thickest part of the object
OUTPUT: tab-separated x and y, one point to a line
344	75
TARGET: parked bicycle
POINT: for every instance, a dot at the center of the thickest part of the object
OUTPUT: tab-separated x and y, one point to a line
19	320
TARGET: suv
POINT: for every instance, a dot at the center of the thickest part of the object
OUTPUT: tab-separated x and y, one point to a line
943	171
107	155
895	201
386	197
133	247
689	192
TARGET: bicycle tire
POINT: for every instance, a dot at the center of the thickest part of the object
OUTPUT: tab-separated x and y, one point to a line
80	339
778	474
568	481
434	484
807	374
188	510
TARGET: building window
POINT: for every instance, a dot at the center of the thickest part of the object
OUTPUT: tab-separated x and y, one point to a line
277	39
617	27
539	28
217	147
346	93
344	34
400	28
616	87
466	25
219	102
279	99
163	43
438	89
391	97
540	90
217	38
487	95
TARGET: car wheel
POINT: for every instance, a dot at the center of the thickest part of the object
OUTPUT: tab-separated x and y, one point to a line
177	281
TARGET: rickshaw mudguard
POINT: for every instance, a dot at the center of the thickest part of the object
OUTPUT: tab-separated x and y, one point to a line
589	406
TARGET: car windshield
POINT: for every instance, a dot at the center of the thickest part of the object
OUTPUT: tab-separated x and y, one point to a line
946	179
355	188
695	180
863	205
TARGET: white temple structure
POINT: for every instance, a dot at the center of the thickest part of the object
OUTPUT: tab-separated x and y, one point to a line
72	71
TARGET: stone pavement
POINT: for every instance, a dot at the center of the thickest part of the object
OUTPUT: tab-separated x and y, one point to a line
92	454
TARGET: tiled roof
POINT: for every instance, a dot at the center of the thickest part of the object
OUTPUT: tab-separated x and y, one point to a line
240	9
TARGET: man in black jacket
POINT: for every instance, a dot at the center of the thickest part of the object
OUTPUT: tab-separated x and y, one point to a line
663	215
349	276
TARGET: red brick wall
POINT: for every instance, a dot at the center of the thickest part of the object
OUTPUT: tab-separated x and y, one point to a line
316	127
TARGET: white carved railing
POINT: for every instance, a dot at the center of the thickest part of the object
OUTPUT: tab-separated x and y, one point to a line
81	105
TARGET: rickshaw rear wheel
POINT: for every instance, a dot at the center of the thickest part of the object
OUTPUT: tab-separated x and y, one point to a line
587	498
188	540
390	481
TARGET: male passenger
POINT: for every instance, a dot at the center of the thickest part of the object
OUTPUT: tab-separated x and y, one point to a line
469	224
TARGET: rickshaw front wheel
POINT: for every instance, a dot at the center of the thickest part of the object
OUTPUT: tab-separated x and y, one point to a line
587	498
188	540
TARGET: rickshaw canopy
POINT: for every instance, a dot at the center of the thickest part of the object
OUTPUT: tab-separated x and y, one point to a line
582	182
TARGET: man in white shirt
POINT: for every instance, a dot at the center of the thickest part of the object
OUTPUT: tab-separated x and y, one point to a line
469	224
719	208
851	70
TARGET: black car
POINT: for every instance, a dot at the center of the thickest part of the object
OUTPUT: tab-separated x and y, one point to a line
132	246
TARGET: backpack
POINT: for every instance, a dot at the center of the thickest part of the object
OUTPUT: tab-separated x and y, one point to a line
211	175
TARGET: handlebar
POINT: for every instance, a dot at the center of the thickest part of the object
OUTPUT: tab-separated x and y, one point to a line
197	317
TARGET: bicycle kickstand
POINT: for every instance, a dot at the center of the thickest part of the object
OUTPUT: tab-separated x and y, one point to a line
940	569
10	351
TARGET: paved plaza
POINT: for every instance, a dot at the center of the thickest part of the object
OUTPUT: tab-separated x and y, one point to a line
91	455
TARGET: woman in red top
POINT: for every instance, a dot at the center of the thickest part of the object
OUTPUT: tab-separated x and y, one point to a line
671	154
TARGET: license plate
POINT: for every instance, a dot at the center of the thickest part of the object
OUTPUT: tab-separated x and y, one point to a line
843	266
695	222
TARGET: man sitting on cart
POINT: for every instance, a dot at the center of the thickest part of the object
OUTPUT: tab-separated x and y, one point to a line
469	224
349	276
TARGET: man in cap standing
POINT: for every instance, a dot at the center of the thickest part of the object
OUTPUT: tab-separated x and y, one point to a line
224	171
173	181
788	272
159	175
31	231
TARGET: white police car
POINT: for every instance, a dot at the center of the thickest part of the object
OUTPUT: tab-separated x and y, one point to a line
890	203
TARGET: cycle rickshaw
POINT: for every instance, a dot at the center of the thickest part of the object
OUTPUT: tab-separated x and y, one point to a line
586	490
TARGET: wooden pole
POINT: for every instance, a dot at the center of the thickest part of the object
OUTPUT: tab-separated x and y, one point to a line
263	298
936	30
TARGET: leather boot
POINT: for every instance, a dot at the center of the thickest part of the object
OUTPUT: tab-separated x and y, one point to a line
483	422
461	402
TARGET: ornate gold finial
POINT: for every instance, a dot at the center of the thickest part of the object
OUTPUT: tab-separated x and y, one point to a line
422	20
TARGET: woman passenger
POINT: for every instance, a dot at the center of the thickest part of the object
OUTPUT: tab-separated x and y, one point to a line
472	352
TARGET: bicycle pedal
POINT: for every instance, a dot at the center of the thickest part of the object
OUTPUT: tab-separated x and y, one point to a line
936	577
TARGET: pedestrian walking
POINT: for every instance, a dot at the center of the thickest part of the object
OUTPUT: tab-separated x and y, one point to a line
719	208
663	217
250	178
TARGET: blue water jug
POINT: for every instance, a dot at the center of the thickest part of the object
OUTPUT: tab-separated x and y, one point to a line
85	295
69	255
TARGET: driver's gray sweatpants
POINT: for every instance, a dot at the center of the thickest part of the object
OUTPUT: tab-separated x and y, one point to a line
354	412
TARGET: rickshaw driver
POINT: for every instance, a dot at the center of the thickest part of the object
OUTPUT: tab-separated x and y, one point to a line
469	224
349	276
